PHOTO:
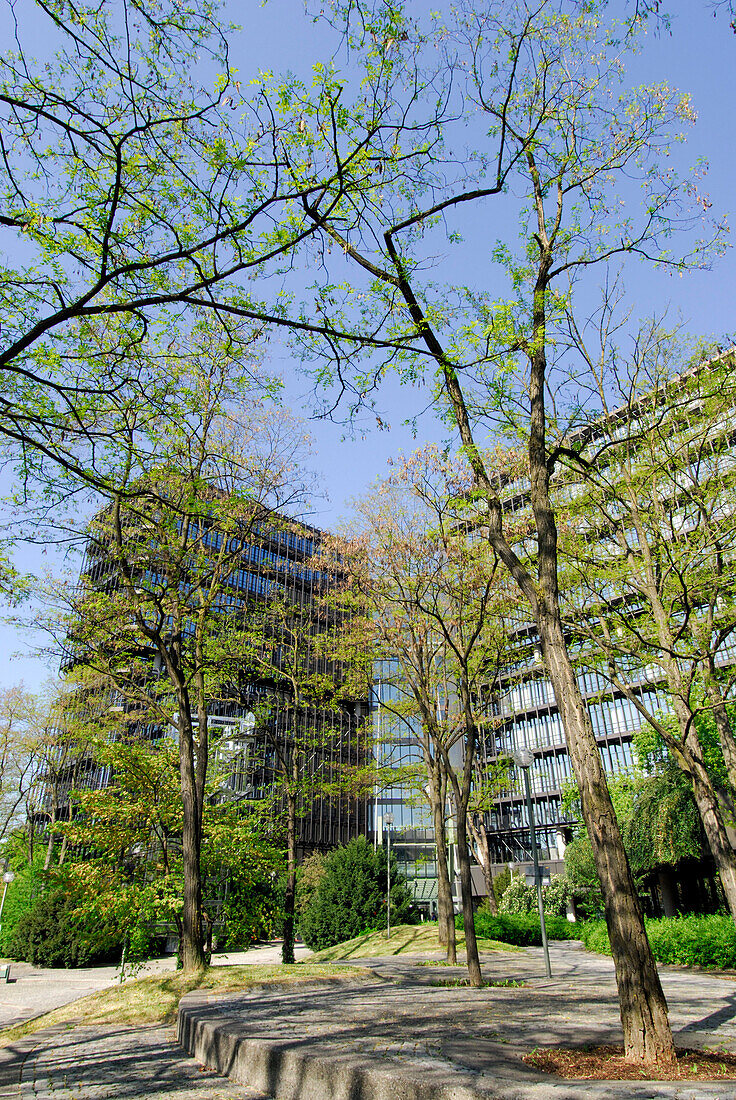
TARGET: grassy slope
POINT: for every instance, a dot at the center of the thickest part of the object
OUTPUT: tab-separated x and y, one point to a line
405	939
155	1000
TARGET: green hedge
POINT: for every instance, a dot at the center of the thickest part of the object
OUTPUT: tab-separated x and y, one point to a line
522	929
49	934
350	896
708	941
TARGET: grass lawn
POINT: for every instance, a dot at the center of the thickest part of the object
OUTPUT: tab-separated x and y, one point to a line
155	1000
405	939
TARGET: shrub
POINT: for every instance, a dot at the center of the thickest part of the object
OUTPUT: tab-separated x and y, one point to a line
518	897
350	896
52	933
18	900
500	884
557	894
308	878
696	940
522	929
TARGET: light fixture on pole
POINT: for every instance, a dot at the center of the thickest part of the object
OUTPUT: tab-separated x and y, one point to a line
524	758
388	820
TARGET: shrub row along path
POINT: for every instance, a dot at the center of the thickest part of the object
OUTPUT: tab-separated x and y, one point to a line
395	1036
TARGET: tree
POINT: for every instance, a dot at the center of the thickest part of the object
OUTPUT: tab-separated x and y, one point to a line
294	643
150	627
351	896
138	183
42	743
124	871
23	722
435	610
547	83
657	814
654	589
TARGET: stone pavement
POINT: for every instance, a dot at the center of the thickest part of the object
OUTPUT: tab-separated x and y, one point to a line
401	1036
396	1036
94	1063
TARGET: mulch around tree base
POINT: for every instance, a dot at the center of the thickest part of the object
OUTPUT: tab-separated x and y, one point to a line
607	1063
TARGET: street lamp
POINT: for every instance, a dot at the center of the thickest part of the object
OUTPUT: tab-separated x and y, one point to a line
524	758
7	879
388	820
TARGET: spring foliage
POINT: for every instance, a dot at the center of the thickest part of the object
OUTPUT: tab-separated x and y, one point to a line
350	897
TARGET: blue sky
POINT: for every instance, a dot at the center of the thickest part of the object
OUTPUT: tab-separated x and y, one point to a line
698	56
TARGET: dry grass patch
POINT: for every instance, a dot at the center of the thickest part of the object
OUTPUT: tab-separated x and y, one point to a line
409	939
155	1000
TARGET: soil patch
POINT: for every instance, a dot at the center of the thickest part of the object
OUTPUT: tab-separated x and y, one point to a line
607	1063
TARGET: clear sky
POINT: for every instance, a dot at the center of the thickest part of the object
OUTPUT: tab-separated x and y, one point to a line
699	56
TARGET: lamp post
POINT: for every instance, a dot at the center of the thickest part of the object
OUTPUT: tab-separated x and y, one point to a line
524	758
388	820
7	879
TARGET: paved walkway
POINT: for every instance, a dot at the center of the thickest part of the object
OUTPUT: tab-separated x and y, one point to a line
94	1063
396	1036
412	1038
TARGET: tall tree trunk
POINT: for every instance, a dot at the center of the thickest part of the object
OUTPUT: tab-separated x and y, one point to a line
647	1034
191	950
466	893
644	1016
688	754
287	951
445	909
480	839
718	842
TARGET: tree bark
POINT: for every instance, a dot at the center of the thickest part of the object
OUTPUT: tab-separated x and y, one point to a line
480	839
466	893
709	808
647	1034
287	951
191	951
445	909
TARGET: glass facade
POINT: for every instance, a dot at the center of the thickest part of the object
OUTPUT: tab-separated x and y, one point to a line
272	562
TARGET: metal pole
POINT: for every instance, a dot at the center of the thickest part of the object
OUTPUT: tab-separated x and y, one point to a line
537	875
388	892
376	754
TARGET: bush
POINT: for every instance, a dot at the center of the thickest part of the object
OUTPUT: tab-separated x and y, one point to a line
708	941
500	884
350	896
18	901
518	897
53	934
522	929
308	878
